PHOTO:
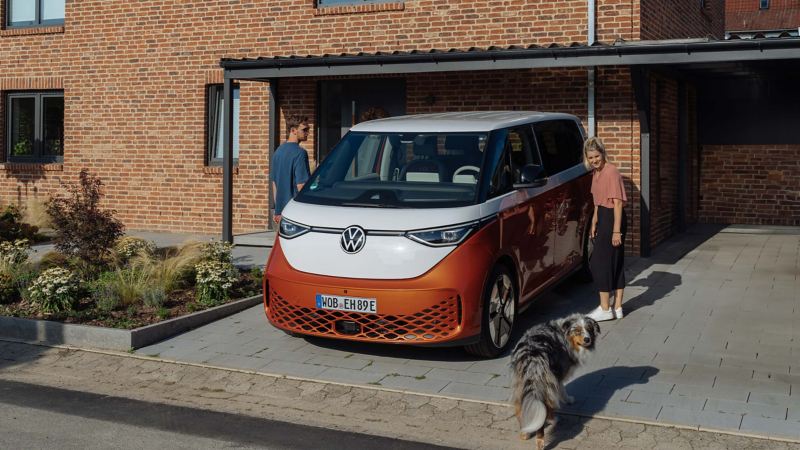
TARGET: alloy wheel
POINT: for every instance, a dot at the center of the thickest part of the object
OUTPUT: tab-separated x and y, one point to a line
501	310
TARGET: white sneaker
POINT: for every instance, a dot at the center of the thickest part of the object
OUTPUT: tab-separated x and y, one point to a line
618	313
599	315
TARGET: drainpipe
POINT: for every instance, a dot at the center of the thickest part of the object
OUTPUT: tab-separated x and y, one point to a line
591	70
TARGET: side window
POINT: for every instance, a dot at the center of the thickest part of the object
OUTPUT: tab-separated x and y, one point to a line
518	152
561	144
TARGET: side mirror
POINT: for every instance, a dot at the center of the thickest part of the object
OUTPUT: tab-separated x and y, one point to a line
531	175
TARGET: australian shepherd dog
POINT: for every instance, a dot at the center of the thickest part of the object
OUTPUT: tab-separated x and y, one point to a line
540	363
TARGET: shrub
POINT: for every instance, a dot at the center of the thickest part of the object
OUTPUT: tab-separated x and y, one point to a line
120	288
8	288
82	229
12	228
129	246
217	251
214	280
14	252
54	291
155	297
53	258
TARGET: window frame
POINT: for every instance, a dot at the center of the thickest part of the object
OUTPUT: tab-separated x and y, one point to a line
213	115
553	169
763	4
37	22
38	127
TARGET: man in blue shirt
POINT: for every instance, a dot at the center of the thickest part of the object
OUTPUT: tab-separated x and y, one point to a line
289	170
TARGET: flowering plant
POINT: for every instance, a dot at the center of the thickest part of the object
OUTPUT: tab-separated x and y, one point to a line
214	280
55	290
217	251
14	252
129	246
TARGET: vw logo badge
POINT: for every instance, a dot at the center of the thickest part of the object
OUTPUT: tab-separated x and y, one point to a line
353	239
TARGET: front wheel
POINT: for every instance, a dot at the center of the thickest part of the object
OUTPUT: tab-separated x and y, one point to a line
499	313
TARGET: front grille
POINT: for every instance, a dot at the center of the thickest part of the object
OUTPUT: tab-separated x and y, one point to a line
437	321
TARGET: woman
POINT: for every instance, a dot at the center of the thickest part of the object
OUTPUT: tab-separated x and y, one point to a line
607	262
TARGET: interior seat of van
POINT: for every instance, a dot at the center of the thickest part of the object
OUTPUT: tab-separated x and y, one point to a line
424	166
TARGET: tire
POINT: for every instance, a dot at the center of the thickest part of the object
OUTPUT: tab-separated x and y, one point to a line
498	315
292	333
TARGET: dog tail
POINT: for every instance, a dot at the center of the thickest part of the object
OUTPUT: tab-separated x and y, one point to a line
532	415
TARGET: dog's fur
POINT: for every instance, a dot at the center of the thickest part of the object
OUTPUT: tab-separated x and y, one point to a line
540	363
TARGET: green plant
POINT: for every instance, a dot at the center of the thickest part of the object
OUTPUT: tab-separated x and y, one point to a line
162	313
53	258
154	297
54	290
23	147
120	288
214	280
14	252
8	289
82	229
13	228
217	251
130	246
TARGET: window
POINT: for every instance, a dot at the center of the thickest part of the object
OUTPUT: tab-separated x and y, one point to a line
560	143
35	126
518	153
763	4
31	13
215	94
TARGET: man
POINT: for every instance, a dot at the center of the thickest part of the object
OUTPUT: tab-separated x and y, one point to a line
289	170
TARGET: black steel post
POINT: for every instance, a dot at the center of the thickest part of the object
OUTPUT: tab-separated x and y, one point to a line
641	90
274	141
227	161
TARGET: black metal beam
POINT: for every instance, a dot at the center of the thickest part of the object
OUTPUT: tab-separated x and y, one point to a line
274	141
227	160
683	151
641	89
666	52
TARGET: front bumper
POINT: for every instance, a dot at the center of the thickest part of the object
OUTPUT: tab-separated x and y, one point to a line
440	307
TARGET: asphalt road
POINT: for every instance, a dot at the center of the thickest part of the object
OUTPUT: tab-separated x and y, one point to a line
39	417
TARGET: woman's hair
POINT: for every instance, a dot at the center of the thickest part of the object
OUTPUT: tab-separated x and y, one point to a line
593	143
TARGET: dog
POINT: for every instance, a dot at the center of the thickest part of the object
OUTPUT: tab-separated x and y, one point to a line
540	363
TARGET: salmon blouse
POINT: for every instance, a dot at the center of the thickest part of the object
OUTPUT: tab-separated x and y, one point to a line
607	185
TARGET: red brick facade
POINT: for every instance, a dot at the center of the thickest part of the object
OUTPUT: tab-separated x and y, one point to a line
745	15
751	184
135	76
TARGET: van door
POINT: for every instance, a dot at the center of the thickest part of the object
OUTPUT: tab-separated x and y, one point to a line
527	224
561	145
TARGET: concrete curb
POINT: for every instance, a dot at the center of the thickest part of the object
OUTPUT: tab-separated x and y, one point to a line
57	333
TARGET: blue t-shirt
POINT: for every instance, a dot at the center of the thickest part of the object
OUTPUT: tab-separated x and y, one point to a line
289	168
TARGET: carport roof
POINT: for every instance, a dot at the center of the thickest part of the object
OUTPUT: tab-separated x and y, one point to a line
515	57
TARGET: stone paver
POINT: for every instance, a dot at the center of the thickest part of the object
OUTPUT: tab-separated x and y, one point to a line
414	417
711	317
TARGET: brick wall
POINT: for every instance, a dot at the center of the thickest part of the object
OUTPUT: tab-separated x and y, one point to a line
135	74
663	158
750	184
681	19
745	15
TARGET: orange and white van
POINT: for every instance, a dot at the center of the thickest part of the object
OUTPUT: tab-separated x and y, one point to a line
432	229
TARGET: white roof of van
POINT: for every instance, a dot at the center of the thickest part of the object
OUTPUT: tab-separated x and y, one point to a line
456	121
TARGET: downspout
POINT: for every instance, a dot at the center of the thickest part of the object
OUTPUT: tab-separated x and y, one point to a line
591	70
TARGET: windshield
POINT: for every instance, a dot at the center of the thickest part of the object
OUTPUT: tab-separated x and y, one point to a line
399	170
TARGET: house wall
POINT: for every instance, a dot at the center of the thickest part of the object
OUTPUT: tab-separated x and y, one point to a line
135	74
681	19
745	15
750	184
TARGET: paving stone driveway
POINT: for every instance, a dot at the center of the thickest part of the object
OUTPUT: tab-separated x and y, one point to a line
711	339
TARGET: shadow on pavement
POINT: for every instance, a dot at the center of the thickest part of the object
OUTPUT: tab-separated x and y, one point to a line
593	392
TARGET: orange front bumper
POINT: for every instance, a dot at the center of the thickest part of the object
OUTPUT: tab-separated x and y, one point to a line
442	306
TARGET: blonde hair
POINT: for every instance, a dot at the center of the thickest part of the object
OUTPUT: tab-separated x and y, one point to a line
593	143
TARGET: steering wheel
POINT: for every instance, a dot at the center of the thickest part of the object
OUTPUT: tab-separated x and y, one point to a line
475	169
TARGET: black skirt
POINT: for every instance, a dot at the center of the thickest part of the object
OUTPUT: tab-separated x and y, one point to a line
607	262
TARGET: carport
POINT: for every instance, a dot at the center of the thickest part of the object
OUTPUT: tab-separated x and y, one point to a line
685	91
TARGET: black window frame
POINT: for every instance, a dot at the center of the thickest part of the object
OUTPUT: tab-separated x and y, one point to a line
214	93
37	22
763	4
38	140
554	169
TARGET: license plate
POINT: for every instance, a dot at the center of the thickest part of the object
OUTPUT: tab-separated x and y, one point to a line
352	304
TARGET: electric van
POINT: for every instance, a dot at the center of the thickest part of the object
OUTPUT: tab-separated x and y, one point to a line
432	229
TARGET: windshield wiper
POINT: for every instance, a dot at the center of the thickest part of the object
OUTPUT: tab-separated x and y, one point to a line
369	205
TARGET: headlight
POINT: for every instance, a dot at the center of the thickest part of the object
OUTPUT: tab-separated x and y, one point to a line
442	237
289	229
